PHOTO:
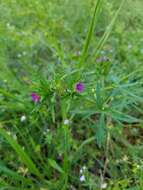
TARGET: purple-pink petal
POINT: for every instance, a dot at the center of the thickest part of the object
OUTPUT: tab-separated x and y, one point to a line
79	87
35	97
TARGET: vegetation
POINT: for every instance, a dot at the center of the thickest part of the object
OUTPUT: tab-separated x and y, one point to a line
71	95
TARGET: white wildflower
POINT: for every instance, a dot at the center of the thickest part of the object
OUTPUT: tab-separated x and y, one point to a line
23	118
82	178
103	185
82	169
66	122
14	137
46	131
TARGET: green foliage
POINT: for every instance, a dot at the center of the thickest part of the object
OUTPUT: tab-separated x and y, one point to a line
71	140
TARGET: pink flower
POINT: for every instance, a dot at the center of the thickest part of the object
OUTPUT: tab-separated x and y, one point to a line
35	97
79	87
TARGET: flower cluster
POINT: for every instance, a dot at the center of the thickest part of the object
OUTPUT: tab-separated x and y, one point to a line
79	88
35	97
82	171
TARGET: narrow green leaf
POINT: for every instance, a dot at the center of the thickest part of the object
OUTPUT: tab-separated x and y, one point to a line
100	132
119	116
106	34
99	101
12	174
54	165
78	153
21	153
90	32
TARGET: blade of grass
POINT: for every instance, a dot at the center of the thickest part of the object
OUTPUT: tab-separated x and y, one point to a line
77	154
10	95
21	153
30	146
55	165
106	34
90	32
119	116
13	174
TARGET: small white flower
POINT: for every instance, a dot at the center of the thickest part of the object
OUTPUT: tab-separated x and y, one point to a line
23	118
82	169
82	178
46	131
66	122
103	185
14	137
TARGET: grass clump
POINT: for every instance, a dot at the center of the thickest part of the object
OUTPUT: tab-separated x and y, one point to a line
70	95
